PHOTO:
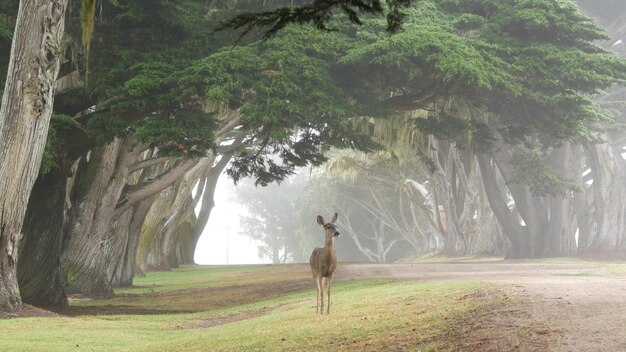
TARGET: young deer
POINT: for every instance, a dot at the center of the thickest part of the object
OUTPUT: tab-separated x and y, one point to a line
324	262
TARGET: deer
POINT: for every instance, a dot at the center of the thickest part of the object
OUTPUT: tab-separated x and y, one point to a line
324	262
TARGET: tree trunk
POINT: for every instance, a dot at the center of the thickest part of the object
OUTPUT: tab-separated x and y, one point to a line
149	258
105	193
561	230
40	249
509	220
24	120
126	233
456	196
603	214
87	252
159	248
549	222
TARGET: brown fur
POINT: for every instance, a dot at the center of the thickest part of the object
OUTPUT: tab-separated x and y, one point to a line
324	262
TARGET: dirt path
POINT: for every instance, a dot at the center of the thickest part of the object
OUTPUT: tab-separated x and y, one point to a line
560	307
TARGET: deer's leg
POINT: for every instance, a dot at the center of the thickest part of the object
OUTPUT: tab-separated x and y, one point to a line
319	290
322	295
330	283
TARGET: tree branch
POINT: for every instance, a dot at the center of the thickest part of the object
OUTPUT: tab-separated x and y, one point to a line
136	193
148	162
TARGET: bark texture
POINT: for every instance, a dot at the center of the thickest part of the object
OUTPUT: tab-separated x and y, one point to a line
100	180
24	119
107	206
160	237
39	274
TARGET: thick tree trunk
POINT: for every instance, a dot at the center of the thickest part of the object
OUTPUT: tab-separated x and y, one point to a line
456	196
509	220
153	223
603	212
126	233
24	120
106	194
40	249
561	231
88	248
186	246
158	247
549	222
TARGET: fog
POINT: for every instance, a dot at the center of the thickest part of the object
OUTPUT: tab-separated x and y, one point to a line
392	206
221	241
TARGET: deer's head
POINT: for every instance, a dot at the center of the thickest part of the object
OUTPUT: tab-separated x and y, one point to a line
330	228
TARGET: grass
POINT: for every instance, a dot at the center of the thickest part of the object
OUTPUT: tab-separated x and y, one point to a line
367	315
197	276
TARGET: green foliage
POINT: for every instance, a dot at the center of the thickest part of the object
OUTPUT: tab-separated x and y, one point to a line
469	21
523	68
138	51
518	68
288	95
444	126
319	13
54	152
532	170
191	135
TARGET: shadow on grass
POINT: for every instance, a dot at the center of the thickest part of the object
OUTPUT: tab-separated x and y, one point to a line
181	301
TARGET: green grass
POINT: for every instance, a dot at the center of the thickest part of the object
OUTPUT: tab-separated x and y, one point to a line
199	276
367	315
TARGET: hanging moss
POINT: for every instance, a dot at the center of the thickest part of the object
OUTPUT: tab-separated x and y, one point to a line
88	14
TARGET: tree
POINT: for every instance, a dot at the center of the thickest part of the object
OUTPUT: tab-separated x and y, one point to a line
601	207
462	61
124	105
24	117
319	13
271	217
136	103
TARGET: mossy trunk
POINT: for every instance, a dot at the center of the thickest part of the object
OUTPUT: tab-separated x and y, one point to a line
24	119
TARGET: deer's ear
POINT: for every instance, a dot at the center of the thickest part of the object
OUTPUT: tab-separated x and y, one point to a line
334	218
320	220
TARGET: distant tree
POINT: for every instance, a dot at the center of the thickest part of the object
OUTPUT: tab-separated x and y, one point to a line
271	217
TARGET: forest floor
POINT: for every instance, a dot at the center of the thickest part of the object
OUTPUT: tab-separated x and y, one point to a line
570	304
574	305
